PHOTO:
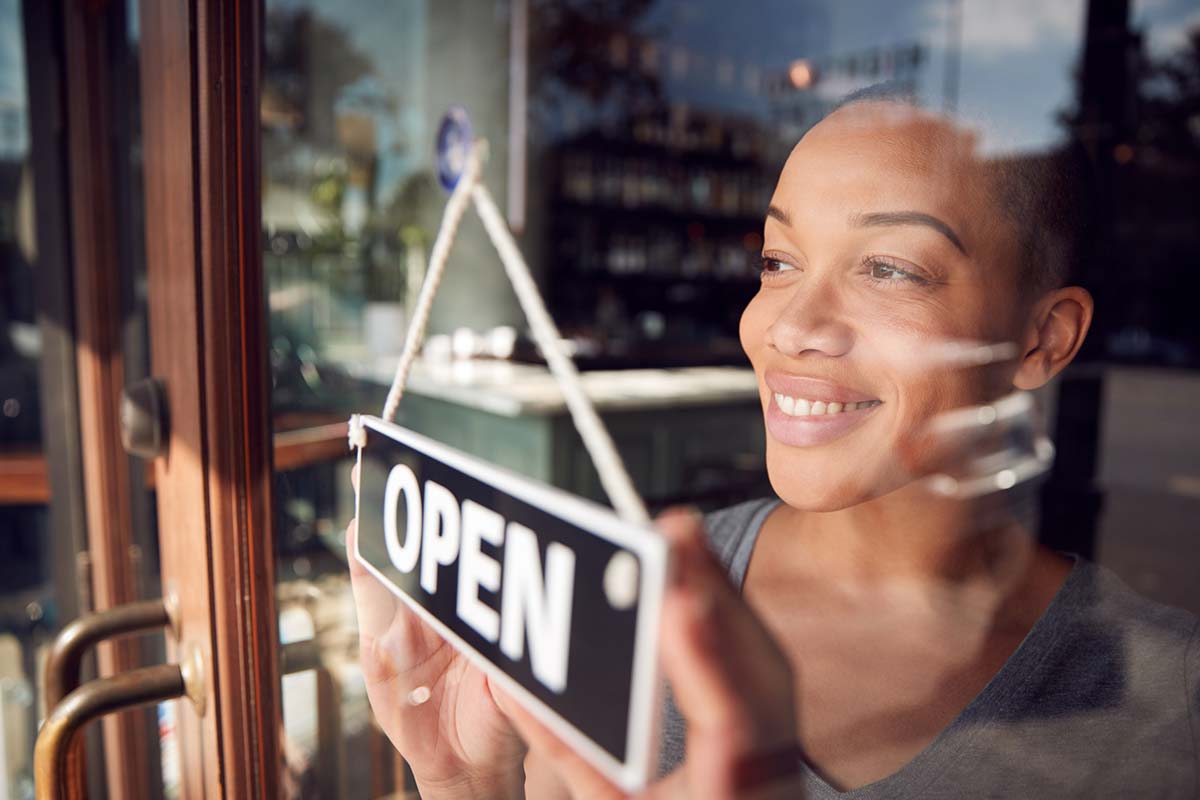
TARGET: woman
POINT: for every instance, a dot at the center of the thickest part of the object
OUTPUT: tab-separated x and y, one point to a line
866	635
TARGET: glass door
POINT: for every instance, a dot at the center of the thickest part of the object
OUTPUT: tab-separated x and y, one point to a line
207	332
76	512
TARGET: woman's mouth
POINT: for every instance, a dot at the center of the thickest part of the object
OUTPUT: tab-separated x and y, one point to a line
802	407
804	412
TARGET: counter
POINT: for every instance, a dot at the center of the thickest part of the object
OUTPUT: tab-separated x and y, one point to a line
512	390
692	434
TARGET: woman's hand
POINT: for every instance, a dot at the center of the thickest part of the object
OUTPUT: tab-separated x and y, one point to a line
438	710
732	683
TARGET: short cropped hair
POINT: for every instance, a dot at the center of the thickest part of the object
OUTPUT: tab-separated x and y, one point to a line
1042	195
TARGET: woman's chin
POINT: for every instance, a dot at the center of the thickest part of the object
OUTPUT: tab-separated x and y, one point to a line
820	496
827	486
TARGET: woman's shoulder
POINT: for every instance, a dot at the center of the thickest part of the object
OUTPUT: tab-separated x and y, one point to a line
1147	653
1111	679
1115	632
1105	599
732	532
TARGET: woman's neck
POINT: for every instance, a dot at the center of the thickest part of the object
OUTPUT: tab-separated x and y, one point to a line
975	556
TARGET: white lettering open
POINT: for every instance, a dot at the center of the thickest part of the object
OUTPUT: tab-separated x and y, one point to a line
478	570
540	610
401	480
439	533
533	606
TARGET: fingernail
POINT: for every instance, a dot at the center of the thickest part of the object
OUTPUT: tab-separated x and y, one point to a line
675	568
703	604
682	562
701	607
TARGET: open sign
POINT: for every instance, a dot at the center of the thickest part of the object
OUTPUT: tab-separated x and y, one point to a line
555	597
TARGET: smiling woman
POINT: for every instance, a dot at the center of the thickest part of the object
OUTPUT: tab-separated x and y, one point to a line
888	236
924	395
888	625
937	649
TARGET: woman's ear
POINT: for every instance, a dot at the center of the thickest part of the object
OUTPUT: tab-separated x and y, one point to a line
1056	331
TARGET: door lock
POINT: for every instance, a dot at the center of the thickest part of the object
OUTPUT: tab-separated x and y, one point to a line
144	418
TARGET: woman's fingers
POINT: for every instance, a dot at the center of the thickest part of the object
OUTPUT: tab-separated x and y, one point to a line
392	639
584	782
375	605
726	671
731	681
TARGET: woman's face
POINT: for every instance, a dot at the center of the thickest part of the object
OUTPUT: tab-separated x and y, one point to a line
882	245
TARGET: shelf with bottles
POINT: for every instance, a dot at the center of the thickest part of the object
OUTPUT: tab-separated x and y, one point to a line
678	189
692	252
674	163
615	303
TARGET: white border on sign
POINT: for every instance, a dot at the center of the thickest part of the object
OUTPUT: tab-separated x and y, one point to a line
644	699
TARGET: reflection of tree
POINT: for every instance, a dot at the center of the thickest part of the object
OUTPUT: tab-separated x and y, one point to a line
310	65
307	60
1169	103
572	44
1138	121
1165	169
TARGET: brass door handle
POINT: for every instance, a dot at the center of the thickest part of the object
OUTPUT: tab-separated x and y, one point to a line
65	660
88	702
57	765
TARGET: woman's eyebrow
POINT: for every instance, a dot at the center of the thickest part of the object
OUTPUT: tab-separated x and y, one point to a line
779	214
907	218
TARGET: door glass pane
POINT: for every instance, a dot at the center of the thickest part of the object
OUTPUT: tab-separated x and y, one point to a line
44	559
634	148
28	594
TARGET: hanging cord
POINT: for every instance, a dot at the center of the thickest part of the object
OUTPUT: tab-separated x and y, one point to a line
456	206
613	476
599	444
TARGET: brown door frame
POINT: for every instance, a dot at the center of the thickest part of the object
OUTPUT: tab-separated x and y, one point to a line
92	179
200	85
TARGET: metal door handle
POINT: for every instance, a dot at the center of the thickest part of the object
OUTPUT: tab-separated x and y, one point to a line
69	706
65	660
93	700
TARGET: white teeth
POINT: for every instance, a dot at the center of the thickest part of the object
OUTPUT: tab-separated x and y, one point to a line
799	407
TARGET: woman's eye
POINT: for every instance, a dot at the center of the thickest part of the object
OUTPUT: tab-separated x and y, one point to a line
883	271
773	266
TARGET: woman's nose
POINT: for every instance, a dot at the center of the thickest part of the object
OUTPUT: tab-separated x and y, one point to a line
812	322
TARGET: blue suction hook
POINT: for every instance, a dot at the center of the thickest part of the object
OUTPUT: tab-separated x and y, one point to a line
455	138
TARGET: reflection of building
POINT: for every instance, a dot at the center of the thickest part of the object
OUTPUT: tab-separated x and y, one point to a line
14	133
1115	494
658	234
808	89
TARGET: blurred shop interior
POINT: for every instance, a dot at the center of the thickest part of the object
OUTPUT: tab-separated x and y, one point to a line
633	147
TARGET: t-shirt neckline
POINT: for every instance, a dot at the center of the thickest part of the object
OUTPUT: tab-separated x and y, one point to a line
915	776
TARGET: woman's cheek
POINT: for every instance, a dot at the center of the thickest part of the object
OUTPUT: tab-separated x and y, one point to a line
752	328
910	358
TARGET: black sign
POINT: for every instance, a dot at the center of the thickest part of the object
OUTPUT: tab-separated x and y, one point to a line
555	596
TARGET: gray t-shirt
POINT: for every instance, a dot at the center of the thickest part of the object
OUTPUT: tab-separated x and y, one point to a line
1101	699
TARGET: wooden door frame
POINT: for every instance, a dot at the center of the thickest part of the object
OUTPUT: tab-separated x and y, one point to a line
208	321
100	369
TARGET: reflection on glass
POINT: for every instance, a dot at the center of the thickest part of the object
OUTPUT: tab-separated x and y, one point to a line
25	596
41	577
656	132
